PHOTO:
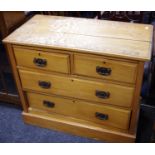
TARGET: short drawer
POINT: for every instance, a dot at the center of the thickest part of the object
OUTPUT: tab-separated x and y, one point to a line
42	60
104	68
78	88
100	114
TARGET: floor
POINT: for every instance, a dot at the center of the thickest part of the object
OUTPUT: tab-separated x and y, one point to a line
13	130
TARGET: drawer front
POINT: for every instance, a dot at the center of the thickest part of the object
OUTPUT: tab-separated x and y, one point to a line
42	60
78	88
104	68
82	110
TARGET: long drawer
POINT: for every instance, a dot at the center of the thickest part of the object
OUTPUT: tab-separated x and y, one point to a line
103	92
42	60
101	67
100	114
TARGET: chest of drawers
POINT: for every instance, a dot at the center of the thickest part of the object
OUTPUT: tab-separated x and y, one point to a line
81	76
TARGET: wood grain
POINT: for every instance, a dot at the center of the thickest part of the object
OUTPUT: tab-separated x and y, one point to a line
76	127
79	109
55	62
78	88
120	71
136	100
16	76
91	27
132	41
73	48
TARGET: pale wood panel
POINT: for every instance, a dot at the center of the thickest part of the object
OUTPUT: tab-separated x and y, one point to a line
77	127
86	122
120	48
136	101
80	109
78	76
120	71
39	31
102	28
55	62
78	88
129	42
16	76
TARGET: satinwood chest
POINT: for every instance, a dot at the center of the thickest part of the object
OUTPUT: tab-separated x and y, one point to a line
81	76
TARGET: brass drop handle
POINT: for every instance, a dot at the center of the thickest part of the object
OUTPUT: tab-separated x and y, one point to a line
103	71
44	84
40	62
48	104
102	94
101	116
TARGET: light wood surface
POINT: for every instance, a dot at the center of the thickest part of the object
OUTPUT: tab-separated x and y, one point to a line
136	101
79	109
54	62
73	87
65	117
76	127
118	39
16	76
89	77
120	71
92	27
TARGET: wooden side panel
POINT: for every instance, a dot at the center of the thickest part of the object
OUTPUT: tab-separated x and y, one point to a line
16	76
136	100
78	88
